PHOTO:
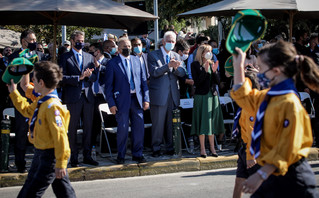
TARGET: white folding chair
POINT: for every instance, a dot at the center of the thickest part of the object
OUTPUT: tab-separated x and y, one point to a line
228	102
105	108
10	113
303	97
187	103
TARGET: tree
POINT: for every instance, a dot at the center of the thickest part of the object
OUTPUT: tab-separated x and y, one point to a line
44	33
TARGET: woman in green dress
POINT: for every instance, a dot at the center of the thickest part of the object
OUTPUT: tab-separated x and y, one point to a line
207	114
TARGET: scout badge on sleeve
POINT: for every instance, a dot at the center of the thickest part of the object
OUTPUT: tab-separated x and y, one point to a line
248	25
16	69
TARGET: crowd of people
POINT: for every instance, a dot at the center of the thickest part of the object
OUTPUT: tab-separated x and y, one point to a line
132	78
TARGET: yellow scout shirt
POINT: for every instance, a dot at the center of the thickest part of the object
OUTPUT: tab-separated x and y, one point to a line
246	122
50	130
287	134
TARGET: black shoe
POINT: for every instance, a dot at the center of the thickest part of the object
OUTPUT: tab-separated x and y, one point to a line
171	152
22	170
213	154
139	159
120	160
90	161
156	154
74	164
204	156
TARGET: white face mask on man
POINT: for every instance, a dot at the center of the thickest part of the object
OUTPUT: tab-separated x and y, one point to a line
184	57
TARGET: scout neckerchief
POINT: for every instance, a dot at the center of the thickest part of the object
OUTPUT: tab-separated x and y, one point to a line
236	124
35	114
285	87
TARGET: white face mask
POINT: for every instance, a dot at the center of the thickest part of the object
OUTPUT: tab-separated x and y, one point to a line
184	57
209	56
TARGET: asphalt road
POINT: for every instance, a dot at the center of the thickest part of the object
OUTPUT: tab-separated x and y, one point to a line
214	183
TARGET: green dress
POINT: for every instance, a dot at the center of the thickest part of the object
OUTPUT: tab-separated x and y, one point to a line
207	116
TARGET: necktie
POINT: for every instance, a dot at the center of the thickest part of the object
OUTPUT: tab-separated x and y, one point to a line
96	84
129	74
36	111
282	88
79	59
167	59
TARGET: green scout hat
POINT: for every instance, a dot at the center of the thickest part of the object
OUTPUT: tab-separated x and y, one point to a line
16	69
33	58
229	66
248	26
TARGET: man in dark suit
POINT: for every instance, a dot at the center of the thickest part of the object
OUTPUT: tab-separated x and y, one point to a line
96	50
79	73
137	51
28	40
165	67
109	48
127	95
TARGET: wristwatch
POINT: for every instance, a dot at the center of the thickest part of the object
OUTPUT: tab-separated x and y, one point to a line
262	174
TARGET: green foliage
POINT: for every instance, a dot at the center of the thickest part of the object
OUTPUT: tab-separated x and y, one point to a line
212	32
44	33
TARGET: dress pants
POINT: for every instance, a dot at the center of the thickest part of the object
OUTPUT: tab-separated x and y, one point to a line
42	174
21	140
135	114
81	109
162	121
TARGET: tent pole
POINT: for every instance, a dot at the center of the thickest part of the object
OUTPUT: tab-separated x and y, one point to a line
291	20
54	42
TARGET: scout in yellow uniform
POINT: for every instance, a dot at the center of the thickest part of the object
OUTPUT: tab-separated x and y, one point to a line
282	134
48	133
246	163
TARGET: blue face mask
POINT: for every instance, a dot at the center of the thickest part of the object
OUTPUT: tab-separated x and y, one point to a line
263	80
79	45
137	50
215	51
143	49
260	45
113	51
169	46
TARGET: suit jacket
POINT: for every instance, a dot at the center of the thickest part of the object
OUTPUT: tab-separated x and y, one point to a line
71	85
117	85
162	80
144	56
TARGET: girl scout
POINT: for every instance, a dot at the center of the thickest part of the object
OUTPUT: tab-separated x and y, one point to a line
282	134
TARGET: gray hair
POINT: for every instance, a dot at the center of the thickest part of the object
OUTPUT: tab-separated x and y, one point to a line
76	33
169	33
123	39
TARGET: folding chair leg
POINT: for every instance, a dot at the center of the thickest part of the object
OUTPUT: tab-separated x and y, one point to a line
108	144
184	139
219	146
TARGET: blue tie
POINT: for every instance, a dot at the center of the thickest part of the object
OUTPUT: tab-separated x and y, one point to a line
79	59
129	74
167	59
96	84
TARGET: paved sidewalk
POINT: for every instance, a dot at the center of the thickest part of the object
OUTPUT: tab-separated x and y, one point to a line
164	164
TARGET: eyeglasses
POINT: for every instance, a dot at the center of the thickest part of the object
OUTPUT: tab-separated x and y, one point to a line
40	49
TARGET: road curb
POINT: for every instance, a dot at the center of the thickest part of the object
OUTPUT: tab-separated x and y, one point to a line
149	168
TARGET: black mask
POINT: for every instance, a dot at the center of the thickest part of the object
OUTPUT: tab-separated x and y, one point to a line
32	46
126	52
79	45
92	53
